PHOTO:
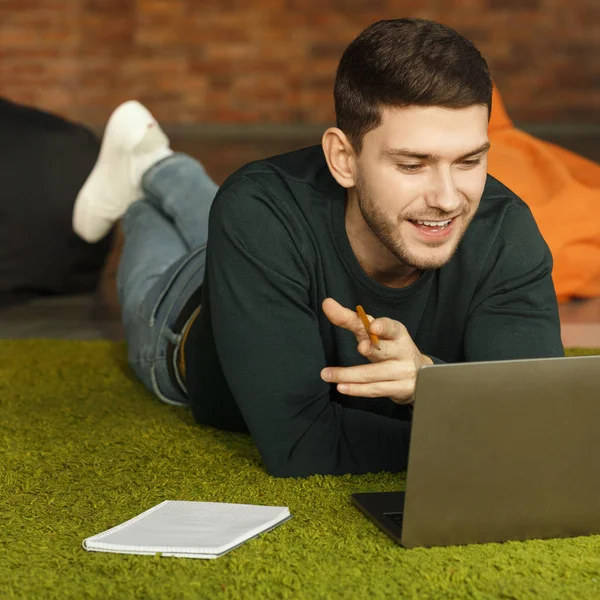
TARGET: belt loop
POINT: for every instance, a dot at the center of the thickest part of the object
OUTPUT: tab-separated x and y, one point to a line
174	338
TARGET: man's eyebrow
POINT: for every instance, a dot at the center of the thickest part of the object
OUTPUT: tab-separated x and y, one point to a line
408	153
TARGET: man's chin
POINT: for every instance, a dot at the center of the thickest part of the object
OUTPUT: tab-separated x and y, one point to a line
429	257
429	262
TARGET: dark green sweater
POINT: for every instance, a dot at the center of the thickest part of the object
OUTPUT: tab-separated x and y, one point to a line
278	247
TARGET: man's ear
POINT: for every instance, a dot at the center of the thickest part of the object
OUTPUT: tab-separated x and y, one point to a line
340	156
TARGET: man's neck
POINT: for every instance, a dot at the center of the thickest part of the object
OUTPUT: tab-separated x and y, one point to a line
375	258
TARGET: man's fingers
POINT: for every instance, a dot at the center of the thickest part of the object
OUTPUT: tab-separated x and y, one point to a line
401	392
388	329
343	317
383	327
375	372
375	352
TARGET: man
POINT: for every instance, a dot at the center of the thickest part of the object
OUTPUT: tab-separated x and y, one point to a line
394	211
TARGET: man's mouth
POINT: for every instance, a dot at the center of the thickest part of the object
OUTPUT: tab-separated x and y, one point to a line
435	224
436	229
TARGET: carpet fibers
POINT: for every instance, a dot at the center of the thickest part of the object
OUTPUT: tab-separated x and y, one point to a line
84	447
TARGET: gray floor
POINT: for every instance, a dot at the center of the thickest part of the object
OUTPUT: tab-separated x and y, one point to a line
67	317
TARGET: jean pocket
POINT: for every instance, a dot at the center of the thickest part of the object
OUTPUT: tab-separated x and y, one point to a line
149	307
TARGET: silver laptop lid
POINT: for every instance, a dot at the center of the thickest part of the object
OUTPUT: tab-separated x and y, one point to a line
504	450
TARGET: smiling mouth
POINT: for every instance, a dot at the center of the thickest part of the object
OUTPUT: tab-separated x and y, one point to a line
439	224
433	225
434	232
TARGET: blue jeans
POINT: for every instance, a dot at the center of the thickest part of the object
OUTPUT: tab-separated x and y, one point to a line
162	264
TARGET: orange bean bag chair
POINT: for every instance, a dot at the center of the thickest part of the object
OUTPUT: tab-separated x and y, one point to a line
563	191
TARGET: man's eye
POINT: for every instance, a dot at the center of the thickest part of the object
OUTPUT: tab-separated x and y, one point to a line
471	163
410	168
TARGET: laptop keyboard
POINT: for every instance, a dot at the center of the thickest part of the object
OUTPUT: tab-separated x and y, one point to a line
395	517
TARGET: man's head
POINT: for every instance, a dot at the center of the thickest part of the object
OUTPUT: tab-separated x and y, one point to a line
412	100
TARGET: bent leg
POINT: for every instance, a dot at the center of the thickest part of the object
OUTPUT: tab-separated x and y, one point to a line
162	265
151	247
181	189
151	252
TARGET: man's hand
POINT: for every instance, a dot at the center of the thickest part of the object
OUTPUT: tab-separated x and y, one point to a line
395	365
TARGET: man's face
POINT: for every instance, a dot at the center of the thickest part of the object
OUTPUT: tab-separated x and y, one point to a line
420	177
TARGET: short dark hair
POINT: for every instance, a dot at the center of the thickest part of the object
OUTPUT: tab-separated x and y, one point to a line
406	62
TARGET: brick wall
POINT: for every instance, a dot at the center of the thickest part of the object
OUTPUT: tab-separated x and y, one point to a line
273	61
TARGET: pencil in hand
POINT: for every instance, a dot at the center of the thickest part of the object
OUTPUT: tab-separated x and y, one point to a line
365	321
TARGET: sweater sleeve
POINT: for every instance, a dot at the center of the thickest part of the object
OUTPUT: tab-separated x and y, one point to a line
515	311
270	349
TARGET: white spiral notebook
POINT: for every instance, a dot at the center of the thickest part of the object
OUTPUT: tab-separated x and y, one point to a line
189	529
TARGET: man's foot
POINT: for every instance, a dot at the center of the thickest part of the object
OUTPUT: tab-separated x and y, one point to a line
132	143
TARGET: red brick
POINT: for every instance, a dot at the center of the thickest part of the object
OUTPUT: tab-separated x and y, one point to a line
168	8
514	4
470	5
274	61
111	7
109	34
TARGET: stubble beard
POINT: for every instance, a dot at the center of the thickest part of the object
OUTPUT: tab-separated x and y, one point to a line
388	233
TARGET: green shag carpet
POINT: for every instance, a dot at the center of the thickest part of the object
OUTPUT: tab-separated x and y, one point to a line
84	447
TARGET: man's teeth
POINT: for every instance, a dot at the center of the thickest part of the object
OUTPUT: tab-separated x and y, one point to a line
435	223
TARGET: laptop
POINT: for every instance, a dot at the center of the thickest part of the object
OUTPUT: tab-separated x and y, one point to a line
501	450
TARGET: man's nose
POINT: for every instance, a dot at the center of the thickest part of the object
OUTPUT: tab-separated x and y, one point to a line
445	194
